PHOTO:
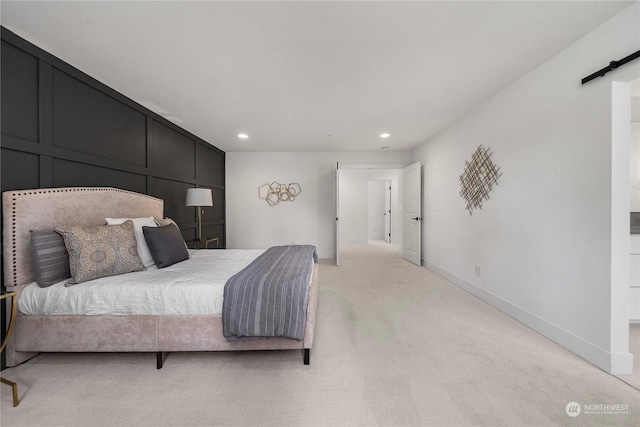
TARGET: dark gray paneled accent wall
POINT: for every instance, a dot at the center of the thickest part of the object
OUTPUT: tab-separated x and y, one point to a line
86	120
60	127
19	93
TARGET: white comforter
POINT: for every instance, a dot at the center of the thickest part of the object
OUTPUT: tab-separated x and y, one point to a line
194	286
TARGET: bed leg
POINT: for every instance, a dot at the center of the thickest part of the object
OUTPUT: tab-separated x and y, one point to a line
159	360
307	356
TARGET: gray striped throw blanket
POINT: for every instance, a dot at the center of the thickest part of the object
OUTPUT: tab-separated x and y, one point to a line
269	297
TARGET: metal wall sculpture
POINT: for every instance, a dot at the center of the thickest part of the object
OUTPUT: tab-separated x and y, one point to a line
275	192
478	179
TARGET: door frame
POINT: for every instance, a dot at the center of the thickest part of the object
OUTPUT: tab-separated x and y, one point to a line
621	358
339	166
412	215
387	211
337	212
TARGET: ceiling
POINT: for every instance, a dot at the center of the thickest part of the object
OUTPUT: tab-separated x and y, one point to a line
308	76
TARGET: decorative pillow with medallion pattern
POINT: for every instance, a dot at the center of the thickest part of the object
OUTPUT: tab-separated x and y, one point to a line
100	251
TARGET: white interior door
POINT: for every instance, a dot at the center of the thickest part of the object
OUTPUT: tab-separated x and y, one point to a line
387	211
338	213
412	214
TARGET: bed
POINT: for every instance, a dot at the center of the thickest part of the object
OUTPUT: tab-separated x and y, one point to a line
171	330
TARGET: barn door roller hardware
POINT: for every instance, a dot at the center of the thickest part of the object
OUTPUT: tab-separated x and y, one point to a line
612	66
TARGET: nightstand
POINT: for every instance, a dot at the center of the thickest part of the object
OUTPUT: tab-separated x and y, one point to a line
205	240
14	312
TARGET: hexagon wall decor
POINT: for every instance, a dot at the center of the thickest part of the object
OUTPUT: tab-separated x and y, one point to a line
275	192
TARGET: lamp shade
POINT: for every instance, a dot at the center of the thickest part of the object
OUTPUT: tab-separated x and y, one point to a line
199	197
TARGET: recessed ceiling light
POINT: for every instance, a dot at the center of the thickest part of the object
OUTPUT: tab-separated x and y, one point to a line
243	136
384	135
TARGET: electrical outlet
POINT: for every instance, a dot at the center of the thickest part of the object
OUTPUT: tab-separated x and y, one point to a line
478	271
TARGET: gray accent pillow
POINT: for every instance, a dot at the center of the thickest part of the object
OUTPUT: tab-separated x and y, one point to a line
168	221
49	257
165	221
166	245
100	251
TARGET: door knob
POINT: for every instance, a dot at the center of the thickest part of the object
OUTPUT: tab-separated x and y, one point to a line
417	218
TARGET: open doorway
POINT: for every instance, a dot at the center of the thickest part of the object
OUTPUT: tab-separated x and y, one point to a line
381	216
379	210
369	206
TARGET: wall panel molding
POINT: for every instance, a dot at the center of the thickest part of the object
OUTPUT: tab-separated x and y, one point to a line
33	50
18	144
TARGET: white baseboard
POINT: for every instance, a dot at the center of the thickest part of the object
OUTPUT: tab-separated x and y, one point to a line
613	363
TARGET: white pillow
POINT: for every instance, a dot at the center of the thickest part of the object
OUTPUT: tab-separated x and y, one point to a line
141	243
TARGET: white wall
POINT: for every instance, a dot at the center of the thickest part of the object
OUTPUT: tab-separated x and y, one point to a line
353	208
375	210
251	223
544	238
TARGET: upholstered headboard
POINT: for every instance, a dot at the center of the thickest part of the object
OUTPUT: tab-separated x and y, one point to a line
45	208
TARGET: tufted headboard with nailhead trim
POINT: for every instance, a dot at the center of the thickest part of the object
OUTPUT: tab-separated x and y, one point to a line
45	208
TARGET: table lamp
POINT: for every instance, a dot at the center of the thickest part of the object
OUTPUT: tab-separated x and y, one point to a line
199	197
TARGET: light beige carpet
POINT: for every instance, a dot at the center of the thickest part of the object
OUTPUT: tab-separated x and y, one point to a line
396	345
